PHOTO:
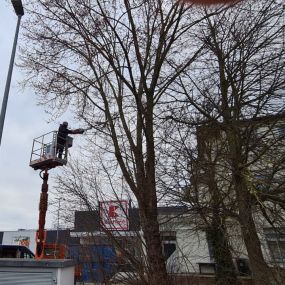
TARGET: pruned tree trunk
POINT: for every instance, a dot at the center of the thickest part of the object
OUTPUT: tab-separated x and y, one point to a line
225	269
260	270
156	266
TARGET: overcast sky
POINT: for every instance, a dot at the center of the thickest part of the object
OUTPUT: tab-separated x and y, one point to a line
20	185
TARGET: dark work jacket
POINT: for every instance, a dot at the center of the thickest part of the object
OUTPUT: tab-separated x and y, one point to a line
63	131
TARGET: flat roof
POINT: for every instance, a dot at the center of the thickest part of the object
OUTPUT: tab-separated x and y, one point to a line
43	263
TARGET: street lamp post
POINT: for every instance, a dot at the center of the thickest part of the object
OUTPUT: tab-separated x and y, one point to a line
18	7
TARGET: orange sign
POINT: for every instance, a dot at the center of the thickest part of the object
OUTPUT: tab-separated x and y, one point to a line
22	240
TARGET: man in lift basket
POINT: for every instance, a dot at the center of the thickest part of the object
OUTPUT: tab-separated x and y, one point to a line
62	134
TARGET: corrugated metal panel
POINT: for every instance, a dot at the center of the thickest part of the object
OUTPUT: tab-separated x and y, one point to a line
22	278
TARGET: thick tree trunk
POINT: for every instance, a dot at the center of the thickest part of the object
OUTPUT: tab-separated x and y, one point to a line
147	200
156	268
260	270
225	269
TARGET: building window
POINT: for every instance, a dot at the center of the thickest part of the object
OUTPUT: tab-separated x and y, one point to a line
262	180
279	131
207	268
277	251
168	240
168	249
275	239
243	266
210	246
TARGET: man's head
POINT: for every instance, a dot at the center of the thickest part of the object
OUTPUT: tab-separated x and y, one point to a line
65	124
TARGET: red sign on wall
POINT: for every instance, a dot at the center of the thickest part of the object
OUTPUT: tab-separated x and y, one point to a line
114	215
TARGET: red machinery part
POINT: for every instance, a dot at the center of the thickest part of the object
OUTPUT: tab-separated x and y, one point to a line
41	233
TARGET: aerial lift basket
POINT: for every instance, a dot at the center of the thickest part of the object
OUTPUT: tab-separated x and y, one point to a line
44	152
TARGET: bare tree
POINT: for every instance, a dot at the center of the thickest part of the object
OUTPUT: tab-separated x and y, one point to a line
235	88
111	63
195	181
82	189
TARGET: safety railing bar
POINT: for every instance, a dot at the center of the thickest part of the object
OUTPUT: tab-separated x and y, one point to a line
32	150
44	135
38	149
40	144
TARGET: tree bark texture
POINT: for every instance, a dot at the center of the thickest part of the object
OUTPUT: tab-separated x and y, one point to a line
225	269
260	270
156	266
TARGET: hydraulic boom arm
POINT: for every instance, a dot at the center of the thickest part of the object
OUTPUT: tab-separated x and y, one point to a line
41	233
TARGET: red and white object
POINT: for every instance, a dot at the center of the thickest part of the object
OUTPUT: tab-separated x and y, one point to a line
114	215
